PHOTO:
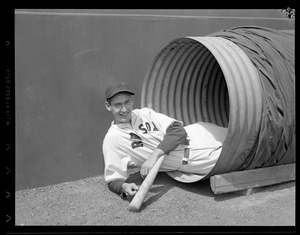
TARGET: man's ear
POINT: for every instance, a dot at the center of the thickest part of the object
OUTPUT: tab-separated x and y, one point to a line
107	105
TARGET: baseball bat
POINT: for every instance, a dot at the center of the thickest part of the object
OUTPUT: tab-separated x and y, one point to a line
139	197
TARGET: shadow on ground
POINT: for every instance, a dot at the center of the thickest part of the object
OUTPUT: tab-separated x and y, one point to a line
163	183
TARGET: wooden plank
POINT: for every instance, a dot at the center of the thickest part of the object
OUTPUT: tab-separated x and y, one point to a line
241	180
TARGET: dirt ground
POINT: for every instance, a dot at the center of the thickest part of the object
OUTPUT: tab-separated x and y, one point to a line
168	203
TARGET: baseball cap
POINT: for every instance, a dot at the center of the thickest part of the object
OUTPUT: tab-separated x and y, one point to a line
116	88
185	177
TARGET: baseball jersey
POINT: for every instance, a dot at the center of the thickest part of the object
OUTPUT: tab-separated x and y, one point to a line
129	144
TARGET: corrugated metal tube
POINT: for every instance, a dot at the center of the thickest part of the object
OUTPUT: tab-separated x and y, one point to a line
212	79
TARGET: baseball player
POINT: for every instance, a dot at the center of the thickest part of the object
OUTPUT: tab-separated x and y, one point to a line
138	137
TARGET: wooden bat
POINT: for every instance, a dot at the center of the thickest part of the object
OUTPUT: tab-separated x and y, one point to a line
139	197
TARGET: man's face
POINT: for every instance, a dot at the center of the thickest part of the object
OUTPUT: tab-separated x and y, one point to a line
121	107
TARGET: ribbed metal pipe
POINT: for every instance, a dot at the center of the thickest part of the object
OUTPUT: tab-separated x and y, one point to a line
209	79
172	86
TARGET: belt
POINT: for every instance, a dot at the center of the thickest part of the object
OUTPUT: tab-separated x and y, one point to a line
186	153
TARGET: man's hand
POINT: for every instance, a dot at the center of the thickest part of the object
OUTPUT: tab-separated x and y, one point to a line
130	189
149	163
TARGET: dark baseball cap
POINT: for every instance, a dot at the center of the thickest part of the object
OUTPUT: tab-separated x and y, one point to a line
116	88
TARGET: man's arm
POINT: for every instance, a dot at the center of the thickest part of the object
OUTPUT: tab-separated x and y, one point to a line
175	135
116	162
123	189
116	187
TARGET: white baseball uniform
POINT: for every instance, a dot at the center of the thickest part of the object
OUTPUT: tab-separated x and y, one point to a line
130	144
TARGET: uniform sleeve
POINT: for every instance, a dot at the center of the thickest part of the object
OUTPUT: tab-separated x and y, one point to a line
116	187
175	136
174	133
116	159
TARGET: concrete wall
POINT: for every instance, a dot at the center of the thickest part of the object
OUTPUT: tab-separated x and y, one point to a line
64	59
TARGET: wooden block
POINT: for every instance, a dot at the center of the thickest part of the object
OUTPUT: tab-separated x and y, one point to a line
241	180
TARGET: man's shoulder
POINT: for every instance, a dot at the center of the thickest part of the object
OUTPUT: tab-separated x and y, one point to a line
112	137
143	111
112	133
113	129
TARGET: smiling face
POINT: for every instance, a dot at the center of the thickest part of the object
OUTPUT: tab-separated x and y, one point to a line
120	106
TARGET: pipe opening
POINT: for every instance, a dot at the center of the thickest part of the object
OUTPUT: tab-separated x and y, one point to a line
186	82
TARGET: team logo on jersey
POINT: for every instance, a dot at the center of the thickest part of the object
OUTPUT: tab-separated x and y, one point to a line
137	141
149	127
